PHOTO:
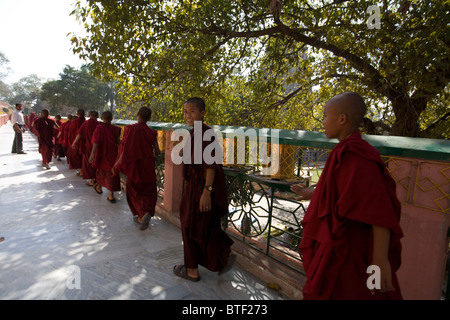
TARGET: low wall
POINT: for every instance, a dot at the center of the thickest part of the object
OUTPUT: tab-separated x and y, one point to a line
4	118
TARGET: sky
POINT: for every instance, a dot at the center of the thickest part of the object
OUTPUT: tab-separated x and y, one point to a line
33	36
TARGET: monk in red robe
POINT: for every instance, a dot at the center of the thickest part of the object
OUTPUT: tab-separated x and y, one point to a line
58	150
45	129
72	132
202	207
105	148
352	222
136	160
31	119
63	136
83	144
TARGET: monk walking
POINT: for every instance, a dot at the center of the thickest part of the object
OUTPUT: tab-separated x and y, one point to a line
136	160
83	144
202	207
352	221
58	151
105	147
72	132
63	137
45	129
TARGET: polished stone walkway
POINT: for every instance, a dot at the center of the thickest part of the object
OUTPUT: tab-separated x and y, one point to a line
63	241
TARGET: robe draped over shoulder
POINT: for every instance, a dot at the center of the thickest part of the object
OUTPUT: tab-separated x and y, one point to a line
355	192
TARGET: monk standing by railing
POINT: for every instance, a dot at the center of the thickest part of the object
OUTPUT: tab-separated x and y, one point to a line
352	224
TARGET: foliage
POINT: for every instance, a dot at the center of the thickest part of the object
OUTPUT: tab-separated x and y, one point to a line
275	63
77	89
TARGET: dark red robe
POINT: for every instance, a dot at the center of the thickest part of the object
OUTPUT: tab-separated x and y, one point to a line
204	241
106	136
85	147
354	193
75	161
138	165
59	151
45	131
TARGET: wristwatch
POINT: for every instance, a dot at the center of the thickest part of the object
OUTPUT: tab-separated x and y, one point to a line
209	188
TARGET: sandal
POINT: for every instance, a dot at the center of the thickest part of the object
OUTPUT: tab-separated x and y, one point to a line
181	272
145	221
95	188
113	200
229	265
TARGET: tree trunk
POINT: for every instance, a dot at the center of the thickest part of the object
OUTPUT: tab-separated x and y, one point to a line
407	113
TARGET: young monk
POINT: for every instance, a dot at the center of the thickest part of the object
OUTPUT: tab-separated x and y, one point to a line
45	129
83	144
72	132
105	145
202	207
136	160
352	221
58	151
63	136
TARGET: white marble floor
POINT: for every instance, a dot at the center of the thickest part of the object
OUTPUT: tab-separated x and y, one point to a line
63	241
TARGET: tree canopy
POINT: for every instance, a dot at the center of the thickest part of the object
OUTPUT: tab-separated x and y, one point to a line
275	63
76	89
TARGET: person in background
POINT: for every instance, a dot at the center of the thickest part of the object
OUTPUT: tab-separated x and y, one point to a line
105	147
58	151
45	128
136	160
18	123
83	144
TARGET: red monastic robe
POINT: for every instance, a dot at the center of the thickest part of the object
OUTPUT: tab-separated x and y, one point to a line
59	151
106	136
85	147
354	193
45	131
204	241
138	165
72	132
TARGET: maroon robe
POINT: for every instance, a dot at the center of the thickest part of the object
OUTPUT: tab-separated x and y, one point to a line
64	129
106	136
354	193
45	131
204	241
85	147
138	165
59	151
72	132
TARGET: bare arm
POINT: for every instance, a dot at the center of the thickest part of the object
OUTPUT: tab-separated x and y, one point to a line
205	198
304	192
381	239
74	144
94	148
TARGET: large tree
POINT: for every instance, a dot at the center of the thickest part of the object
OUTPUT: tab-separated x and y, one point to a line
76	89
274	62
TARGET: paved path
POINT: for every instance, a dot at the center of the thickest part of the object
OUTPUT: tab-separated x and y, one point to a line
60	234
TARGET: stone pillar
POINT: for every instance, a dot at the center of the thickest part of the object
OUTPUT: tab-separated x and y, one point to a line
173	179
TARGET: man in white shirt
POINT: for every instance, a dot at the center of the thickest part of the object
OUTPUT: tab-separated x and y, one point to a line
19	127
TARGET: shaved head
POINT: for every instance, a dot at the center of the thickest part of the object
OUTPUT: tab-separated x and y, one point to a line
351	104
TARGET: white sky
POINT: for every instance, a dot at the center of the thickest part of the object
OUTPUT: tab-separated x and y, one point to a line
33	36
